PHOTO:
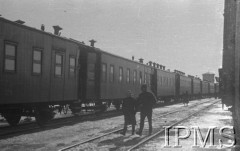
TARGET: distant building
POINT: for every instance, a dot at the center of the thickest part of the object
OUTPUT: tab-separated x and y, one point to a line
208	77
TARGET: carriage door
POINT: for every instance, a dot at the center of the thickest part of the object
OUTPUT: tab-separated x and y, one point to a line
91	92
57	75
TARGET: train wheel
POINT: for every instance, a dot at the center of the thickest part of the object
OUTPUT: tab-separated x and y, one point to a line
117	106
43	115
103	108
12	119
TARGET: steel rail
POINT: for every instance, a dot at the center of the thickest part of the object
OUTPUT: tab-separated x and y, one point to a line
161	131
120	129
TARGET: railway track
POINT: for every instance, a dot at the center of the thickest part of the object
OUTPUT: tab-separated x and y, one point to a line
86	114
24	128
27	128
145	139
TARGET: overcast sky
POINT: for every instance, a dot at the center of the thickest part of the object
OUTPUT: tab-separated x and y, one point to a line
186	35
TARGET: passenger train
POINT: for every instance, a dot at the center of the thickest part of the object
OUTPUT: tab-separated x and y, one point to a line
40	70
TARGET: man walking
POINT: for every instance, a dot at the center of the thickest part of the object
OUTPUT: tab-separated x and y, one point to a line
146	101
129	111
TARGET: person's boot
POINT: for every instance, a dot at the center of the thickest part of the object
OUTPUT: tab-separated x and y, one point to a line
139	133
124	131
150	130
133	129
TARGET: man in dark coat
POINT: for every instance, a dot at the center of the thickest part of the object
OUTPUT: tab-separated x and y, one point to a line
146	101
129	111
185	99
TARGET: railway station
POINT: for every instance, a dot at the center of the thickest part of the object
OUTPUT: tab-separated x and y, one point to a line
139	75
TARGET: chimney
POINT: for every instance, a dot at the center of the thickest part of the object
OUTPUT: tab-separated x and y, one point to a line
132	58
56	30
141	60
42	27
150	63
154	65
158	65
92	42
163	67
20	21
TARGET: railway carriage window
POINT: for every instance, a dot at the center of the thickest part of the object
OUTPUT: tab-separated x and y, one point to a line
120	74
58	64
104	73
111	77
91	71
145	78
37	62
134	77
160	80
149	79
10	57
128	76
140	77
72	66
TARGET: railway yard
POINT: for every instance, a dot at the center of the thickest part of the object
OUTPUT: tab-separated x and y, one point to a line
102	132
58	93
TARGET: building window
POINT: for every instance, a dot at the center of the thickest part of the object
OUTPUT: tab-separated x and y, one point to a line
72	66
140	77
10	57
111	74
37	62
128	76
58	64
120	74
134	77
104	73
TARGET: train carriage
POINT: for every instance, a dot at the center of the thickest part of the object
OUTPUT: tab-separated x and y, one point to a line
185	85
37	69
205	88
196	87
118	75
165	84
211	88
